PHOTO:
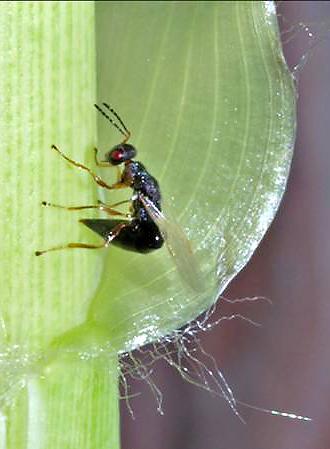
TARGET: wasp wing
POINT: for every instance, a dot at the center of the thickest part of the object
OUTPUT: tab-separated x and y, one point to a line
177	244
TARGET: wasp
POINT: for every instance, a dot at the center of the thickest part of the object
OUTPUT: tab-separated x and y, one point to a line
145	227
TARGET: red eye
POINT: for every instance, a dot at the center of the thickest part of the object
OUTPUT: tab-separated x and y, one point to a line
117	155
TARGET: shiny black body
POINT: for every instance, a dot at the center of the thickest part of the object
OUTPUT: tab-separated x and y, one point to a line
137	236
140	234
136	175
133	231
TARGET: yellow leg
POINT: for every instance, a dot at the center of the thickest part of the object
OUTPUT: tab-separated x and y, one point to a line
101	206
105	244
97	179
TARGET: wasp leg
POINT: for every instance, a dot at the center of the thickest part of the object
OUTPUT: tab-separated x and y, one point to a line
101	206
70	246
97	179
118	175
106	207
115	204
116	230
101	163
107	164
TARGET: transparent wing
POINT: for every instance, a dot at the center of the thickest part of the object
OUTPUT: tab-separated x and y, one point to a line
178	246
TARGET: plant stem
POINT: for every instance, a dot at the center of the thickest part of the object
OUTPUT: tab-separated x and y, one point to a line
47	89
73	406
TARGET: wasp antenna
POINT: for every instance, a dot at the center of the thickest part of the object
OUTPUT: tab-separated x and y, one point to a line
111	121
117	117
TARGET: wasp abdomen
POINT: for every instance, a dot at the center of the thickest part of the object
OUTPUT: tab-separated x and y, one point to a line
136	236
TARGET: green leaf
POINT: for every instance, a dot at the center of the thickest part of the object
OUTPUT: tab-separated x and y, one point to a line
211	105
209	100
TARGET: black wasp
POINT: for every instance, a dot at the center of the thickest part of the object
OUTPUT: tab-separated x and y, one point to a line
145	227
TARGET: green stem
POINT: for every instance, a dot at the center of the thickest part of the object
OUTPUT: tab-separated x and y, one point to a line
73	406
47	90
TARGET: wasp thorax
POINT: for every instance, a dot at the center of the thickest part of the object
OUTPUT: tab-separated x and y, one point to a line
121	153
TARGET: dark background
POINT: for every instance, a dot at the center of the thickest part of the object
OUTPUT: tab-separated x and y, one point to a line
284	364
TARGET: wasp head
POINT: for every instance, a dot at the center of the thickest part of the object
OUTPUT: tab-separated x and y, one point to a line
120	153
